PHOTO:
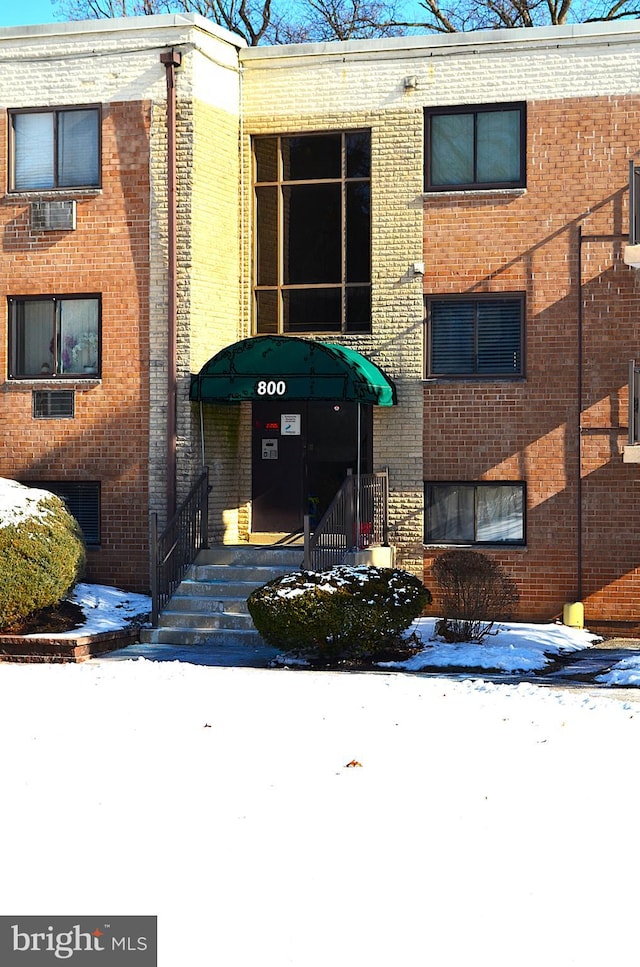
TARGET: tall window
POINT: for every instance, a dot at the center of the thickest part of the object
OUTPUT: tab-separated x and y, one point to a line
474	513
54	337
313	233
475	147
481	337
55	149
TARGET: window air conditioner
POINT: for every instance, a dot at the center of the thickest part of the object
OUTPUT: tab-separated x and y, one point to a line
53	216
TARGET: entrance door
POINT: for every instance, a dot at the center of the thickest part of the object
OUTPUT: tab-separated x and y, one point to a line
277	468
301	453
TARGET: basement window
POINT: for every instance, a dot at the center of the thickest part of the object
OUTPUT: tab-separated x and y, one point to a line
83	502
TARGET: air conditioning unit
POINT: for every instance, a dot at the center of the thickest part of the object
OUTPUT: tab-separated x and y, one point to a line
53	216
51	404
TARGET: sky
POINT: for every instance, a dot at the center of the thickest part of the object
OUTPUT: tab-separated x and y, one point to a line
24	12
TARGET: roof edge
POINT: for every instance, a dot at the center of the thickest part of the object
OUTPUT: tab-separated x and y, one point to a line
627	31
108	25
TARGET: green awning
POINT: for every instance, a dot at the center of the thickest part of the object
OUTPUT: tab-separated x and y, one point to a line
291	368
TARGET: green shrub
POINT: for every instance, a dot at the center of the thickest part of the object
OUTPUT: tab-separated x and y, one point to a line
344	613
475	592
41	552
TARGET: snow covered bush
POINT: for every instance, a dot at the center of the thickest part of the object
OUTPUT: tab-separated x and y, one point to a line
41	551
345	613
475	591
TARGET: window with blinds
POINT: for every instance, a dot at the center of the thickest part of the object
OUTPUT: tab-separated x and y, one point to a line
475	337
486	512
82	498
55	149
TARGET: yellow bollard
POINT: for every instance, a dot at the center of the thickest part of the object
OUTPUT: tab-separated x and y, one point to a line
573	614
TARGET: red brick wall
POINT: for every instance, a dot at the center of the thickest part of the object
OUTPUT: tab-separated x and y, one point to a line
577	172
108	253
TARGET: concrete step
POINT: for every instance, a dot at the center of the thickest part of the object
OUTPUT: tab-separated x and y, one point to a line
224	590
210	605
211	602
226	639
254	555
214	621
256	575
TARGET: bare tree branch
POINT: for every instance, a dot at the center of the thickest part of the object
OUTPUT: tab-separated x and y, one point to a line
277	22
459	15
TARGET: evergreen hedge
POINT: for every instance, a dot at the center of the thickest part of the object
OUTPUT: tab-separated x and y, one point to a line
343	613
42	556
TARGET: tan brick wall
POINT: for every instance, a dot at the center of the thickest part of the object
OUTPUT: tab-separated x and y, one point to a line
108	253
209	298
529	430
395	342
207	269
215	291
158	314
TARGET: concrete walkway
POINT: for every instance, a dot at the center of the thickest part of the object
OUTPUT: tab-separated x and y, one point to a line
591	662
579	669
240	656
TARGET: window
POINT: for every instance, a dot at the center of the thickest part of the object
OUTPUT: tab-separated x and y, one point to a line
475	147
54	337
482	336
83	502
313	233
634	203
474	513
55	149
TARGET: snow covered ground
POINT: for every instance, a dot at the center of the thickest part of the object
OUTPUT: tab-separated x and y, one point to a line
515	647
274	817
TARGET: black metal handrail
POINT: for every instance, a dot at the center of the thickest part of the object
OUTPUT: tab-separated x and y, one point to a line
357	518
175	549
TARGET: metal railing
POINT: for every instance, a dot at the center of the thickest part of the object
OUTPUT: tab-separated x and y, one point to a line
175	549
357	518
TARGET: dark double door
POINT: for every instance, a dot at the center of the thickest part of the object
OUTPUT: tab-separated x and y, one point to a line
301	453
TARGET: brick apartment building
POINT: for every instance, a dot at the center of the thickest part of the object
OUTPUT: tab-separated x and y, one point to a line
453	210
